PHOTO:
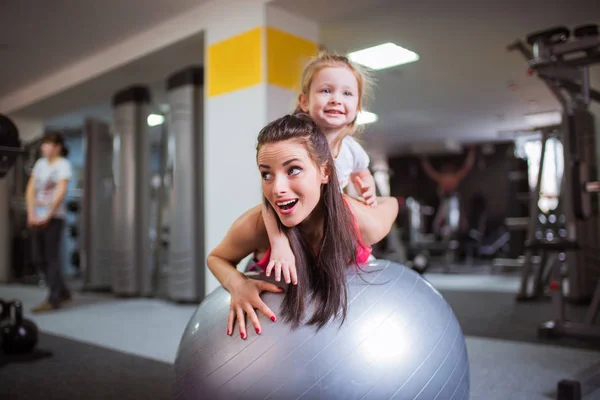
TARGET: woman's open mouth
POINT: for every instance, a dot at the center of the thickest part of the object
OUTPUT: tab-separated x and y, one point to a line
286	206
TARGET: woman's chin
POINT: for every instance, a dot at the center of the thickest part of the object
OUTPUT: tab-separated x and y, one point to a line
288	221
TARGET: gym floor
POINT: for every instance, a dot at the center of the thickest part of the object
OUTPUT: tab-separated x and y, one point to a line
101	346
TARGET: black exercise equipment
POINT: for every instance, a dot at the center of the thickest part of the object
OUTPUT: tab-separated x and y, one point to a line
75	259
540	228
4	310
10	145
73	231
568	390
560	325
562	61
72	206
563	65
19	335
517	205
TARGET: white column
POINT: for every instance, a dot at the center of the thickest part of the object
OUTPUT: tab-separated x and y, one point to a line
247	85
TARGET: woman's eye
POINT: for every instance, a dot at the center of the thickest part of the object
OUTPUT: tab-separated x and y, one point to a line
295	170
266	176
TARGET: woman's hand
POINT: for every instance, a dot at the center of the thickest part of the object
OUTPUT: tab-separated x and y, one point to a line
245	298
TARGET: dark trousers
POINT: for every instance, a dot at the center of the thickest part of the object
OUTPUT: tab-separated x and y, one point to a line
47	246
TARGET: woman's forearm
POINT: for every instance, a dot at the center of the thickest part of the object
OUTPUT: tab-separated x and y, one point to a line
225	272
30	198
375	223
246	235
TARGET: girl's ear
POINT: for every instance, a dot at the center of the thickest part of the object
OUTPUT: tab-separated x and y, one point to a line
303	102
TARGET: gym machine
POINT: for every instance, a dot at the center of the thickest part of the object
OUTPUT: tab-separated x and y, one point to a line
539	227
563	65
10	149
17	335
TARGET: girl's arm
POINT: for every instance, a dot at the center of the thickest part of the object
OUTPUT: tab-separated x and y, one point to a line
247	234
361	177
374	223
282	258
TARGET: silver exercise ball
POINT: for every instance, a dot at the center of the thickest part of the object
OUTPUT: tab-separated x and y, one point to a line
401	340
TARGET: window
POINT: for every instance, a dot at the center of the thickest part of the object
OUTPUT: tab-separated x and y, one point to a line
551	174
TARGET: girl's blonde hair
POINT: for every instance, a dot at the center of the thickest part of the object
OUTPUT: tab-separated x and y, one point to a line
330	60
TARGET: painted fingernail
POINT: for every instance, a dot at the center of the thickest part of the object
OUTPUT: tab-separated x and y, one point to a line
257	331
243	335
228	332
280	290
273	318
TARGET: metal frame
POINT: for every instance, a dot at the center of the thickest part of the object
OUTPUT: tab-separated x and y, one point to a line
565	72
560	325
533	268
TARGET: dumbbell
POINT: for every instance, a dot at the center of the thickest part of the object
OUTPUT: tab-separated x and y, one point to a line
18	335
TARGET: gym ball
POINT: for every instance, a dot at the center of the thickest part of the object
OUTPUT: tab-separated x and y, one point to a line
400	340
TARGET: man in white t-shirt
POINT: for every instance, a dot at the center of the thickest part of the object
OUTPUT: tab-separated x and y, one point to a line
46	191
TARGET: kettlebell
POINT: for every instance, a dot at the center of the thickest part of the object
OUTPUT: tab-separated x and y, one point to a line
19	336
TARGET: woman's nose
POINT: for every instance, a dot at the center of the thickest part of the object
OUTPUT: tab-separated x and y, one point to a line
280	186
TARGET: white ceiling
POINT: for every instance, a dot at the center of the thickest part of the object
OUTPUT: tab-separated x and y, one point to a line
41	37
458	90
93	98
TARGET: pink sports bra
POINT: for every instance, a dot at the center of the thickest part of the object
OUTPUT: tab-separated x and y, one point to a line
362	251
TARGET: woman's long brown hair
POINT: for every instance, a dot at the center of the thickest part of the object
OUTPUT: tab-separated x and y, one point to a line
321	276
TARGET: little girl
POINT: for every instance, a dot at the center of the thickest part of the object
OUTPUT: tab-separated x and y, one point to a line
333	89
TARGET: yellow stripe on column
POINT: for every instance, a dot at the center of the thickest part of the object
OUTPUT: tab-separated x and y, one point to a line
235	63
287	55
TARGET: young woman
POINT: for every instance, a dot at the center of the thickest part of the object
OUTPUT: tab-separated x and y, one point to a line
46	213
327	231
